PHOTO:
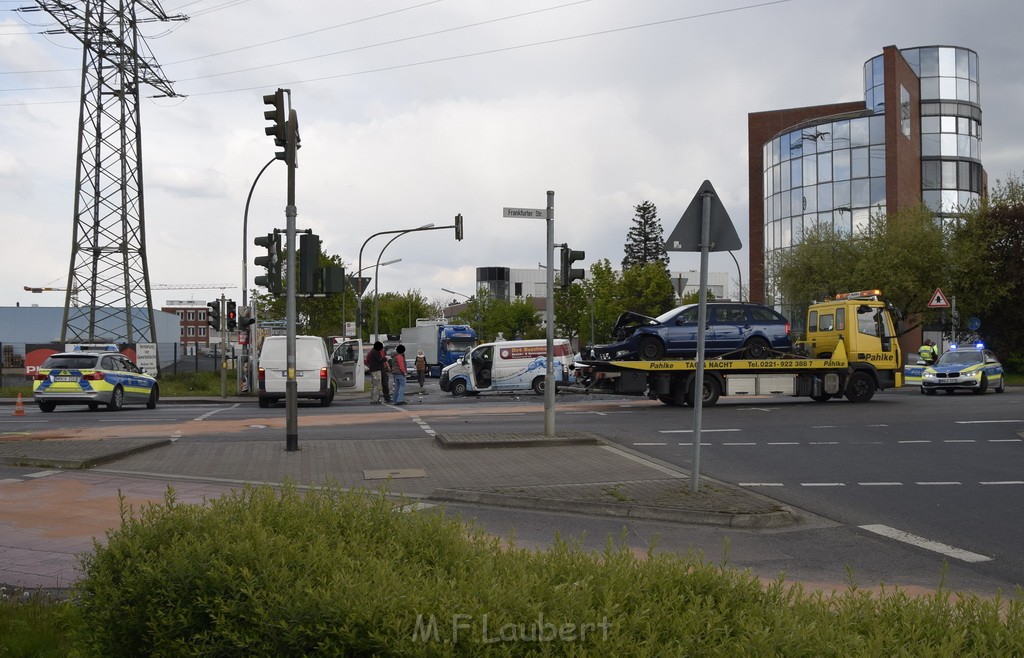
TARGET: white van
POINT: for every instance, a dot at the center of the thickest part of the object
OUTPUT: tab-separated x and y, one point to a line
511	365
312	370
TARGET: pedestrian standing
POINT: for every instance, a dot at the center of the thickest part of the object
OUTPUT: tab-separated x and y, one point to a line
386	374
375	364
401	373
421	367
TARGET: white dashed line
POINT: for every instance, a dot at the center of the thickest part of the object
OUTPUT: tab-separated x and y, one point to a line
424	426
959	441
651	443
921	441
937	484
880	484
823	443
1005	440
41	474
691	443
761	484
979	422
703	431
782	443
740	443
822	484
927	544
1005	482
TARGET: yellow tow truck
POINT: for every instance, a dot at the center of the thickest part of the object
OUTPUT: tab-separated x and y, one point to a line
851	351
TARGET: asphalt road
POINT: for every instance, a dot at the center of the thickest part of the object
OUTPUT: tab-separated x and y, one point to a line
948	470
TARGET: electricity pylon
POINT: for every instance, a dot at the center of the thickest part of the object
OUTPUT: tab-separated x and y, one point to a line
108	267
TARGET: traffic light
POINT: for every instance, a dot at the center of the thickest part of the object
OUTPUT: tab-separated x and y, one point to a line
232	314
309	263
246	320
569	256
333	279
458	227
213	315
272	261
279	131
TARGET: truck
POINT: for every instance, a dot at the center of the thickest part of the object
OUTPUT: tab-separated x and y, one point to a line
851	350
442	344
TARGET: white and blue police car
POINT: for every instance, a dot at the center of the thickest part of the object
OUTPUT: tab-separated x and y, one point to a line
971	368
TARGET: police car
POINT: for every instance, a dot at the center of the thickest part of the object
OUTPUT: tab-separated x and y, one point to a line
93	378
968	368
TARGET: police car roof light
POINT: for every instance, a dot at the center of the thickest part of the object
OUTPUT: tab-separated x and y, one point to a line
952	347
979	346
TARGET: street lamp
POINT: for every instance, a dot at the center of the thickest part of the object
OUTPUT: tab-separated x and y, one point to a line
376	279
359	291
356	277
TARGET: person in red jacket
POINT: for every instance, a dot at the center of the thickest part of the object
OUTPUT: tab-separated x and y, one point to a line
401	373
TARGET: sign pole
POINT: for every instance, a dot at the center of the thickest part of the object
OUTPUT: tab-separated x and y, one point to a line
702	318
549	375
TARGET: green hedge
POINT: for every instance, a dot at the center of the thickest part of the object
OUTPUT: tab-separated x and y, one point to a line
327	572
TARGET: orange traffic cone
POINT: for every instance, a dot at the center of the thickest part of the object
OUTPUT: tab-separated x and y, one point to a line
19	408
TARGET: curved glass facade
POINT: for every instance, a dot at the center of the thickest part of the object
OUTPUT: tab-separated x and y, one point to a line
951	176
832	170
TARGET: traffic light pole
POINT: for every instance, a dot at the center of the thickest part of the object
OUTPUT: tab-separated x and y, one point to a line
291	386
223	346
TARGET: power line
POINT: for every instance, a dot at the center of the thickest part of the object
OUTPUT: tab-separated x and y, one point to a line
450	58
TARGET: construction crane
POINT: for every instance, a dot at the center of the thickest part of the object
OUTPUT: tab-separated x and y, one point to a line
152	286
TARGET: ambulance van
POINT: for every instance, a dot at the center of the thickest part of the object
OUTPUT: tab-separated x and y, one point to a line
513	365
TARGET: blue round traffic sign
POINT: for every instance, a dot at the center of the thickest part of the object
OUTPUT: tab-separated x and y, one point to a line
974	323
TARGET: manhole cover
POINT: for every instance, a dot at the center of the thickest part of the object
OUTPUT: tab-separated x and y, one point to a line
395	474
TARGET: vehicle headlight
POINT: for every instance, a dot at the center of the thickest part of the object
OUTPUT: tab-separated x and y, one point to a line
929	374
973	375
622	353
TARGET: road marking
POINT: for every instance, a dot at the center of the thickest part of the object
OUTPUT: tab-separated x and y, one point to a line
740	443
214	411
879	425
41	474
880	484
760	484
959	441
782	443
824	427
424	426
651	443
822	443
927	544
703	431
1005	440
691	443
937	484
1005	482
979	422
822	484
754	409
921	441
9	481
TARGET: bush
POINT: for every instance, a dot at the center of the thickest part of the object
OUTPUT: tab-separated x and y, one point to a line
329	572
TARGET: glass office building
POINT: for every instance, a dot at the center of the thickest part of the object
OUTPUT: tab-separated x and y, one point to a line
915	138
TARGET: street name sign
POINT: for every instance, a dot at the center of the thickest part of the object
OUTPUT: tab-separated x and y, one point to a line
524	213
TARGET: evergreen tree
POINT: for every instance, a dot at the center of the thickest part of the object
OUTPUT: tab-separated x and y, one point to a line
644	242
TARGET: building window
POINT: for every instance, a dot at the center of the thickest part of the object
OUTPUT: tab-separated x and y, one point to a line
904	111
191	316
202	316
519	289
202	332
190	331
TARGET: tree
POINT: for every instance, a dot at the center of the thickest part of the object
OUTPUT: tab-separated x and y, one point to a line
647	289
900	254
600	293
644	242
395	311
987	262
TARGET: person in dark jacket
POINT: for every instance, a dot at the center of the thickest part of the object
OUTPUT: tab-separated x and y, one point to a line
375	364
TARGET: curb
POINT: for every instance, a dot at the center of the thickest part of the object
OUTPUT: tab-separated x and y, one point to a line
81	462
758	520
514	440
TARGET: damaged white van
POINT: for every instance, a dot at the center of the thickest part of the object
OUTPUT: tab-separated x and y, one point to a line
512	365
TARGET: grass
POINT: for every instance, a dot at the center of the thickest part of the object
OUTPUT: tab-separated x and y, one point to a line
33	625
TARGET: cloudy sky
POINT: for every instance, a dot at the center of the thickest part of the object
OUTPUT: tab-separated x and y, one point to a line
414	110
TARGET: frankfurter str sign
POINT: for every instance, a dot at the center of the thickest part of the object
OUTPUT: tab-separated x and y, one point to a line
524	213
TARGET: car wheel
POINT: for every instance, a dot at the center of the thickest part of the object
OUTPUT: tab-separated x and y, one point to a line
999	389
538	385
757	348
264	403
329	398
47	407
154	395
650	348
459	387
860	387
116	399
982	386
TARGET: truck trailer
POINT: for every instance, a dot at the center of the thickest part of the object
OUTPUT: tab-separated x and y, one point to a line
442	344
851	351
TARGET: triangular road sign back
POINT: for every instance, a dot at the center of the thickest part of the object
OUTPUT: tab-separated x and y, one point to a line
938	300
686	235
